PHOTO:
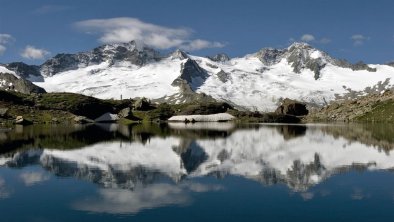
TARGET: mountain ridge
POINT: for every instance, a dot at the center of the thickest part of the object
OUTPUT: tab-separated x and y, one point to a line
257	81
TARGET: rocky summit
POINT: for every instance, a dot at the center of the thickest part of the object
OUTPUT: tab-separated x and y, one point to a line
257	81
10	82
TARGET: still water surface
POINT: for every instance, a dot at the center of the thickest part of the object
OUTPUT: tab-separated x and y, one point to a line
197	172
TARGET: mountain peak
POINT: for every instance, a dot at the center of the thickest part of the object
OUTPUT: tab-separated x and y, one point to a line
179	54
221	57
132	52
299	45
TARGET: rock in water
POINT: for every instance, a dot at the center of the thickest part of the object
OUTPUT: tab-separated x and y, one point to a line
82	120
107	117
292	107
21	121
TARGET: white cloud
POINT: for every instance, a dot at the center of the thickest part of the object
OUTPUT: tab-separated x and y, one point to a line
31	52
126	29
4	40
44	9
307	38
31	178
2	49
325	40
201	44
310	38
359	39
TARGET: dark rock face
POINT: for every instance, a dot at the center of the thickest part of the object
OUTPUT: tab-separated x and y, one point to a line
142	104
23	69
391	64
355	67
192	74
223	76
113	53
270	56
221	57
9	82
291	107
62	62
299	56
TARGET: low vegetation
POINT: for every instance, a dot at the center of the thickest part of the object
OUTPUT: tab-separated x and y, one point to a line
370	108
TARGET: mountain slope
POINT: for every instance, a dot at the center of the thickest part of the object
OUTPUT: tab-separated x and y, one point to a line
11	81
256	81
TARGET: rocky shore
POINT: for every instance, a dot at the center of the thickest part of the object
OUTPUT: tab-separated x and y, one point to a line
370	108
61	108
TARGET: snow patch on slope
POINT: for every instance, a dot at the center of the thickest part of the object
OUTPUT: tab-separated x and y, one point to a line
104	81
5	70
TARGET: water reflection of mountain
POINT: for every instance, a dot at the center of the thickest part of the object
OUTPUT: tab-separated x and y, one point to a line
79	136
380	136
127	157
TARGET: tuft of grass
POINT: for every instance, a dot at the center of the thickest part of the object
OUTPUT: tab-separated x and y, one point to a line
382	112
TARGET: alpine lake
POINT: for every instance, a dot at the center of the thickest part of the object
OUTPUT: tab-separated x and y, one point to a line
197	172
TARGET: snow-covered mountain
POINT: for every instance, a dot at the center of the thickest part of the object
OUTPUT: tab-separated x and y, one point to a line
255	81
9	80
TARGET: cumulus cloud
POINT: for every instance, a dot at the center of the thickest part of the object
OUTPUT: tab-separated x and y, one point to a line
44	9
4	40
200	44
31	52
325	40
125	29
307	38
2	49
311	38
358	39
31	178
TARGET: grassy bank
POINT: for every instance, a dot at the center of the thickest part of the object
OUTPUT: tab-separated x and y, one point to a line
64	107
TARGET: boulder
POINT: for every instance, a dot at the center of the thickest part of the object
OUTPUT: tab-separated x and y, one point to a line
142	104
107	117
292	107
125	113
3	112
21	121
82	120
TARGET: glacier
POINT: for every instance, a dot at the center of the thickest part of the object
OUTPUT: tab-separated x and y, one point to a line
257	81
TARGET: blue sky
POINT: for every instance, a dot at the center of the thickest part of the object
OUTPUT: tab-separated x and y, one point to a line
34	30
